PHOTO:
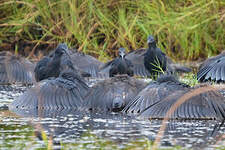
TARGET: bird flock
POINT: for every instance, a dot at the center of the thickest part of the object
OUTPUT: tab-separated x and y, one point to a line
60	82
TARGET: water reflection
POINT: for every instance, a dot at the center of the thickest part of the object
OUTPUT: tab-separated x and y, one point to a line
68	126
80	129
9	92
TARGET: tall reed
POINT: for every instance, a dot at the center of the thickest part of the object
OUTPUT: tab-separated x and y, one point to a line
184	29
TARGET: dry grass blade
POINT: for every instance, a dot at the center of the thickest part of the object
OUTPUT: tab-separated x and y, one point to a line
180	101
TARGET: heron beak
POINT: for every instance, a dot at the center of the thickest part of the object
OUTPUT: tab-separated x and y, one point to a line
122	55
150	41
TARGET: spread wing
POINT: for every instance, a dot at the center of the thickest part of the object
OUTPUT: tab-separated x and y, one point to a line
15	69
104	68
43	113
86	63
214	71
137	59
178	68
212	59
99	98
50	94
209	105
151	94
102	95
147	97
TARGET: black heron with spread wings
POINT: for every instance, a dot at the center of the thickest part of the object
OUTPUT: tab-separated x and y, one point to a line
112	94
159	96
64	88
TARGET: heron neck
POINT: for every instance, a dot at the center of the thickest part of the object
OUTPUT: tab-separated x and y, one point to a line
152	45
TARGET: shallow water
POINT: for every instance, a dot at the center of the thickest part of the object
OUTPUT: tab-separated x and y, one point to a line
74	129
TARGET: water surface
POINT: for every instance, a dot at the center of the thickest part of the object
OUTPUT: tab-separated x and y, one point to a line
74	129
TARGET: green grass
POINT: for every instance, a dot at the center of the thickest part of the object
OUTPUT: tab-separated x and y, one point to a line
190	79
91	141
86	141
186	29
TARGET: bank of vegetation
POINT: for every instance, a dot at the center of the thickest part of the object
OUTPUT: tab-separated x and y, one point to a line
184	29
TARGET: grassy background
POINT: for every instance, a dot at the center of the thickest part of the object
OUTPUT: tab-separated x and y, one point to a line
184	29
